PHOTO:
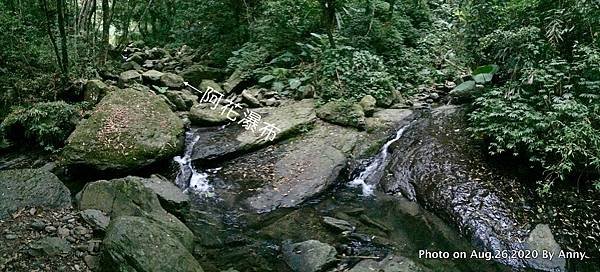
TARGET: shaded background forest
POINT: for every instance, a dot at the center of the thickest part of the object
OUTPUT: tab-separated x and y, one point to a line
535	97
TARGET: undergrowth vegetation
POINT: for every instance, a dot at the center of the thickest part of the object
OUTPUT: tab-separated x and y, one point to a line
544	104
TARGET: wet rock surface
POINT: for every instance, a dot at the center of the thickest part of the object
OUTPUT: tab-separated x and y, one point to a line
436	164
217	143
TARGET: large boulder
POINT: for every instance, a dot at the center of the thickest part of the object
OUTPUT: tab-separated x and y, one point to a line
436	163
204	115
23	188
152	76
309	256
289	119
128	130
142	244
196	73
288	174
306	167
129	196
129	77
171	80
343	114
94	90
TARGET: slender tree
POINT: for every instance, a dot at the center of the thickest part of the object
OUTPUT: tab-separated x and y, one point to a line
63	37
105	31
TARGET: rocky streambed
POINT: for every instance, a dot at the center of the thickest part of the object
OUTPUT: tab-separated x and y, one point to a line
159	181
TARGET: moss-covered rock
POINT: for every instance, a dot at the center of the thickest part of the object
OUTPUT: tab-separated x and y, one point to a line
22	188
204	115
142	244
128	130
342	113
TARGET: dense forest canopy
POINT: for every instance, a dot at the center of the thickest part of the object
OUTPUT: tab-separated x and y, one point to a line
535	95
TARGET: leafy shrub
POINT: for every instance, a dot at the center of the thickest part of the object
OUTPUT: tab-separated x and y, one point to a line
46	124
349	73
545	105
248	59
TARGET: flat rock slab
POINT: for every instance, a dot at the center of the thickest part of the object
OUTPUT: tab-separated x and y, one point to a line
288	174
22	188
216	143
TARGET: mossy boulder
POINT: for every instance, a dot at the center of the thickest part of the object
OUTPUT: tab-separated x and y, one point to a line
128	130
343	113
142	244
204	115
23	188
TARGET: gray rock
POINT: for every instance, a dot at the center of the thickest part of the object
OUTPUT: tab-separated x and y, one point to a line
304	167
23	188
128	130
342	114
38	225
205	115
128	77
171	80
436	162
92	262
95	218
205	84
137	57
152	76
389	264
541	239
235	83
177	98
249	96
288	119
309	256
141	244
50	246
196	73
368	103
94	90
341	225
171	197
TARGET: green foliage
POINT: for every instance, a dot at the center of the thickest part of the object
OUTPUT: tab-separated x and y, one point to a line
349	73
546	104
47	124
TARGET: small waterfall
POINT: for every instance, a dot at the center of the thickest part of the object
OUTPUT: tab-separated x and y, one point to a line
188	178
368	178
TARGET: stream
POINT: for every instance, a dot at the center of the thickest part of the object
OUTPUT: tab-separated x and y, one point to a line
385	225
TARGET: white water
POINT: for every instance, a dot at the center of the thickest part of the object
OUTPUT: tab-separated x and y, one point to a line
375	167
188	178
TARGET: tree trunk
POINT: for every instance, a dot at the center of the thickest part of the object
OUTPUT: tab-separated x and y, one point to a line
328	7
44	5
105	31
63	37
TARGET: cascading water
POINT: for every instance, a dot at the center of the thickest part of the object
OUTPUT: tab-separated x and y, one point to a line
188	177
367	179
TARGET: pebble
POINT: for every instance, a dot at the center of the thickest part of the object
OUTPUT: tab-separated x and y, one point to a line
38	224
10	237
50	229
